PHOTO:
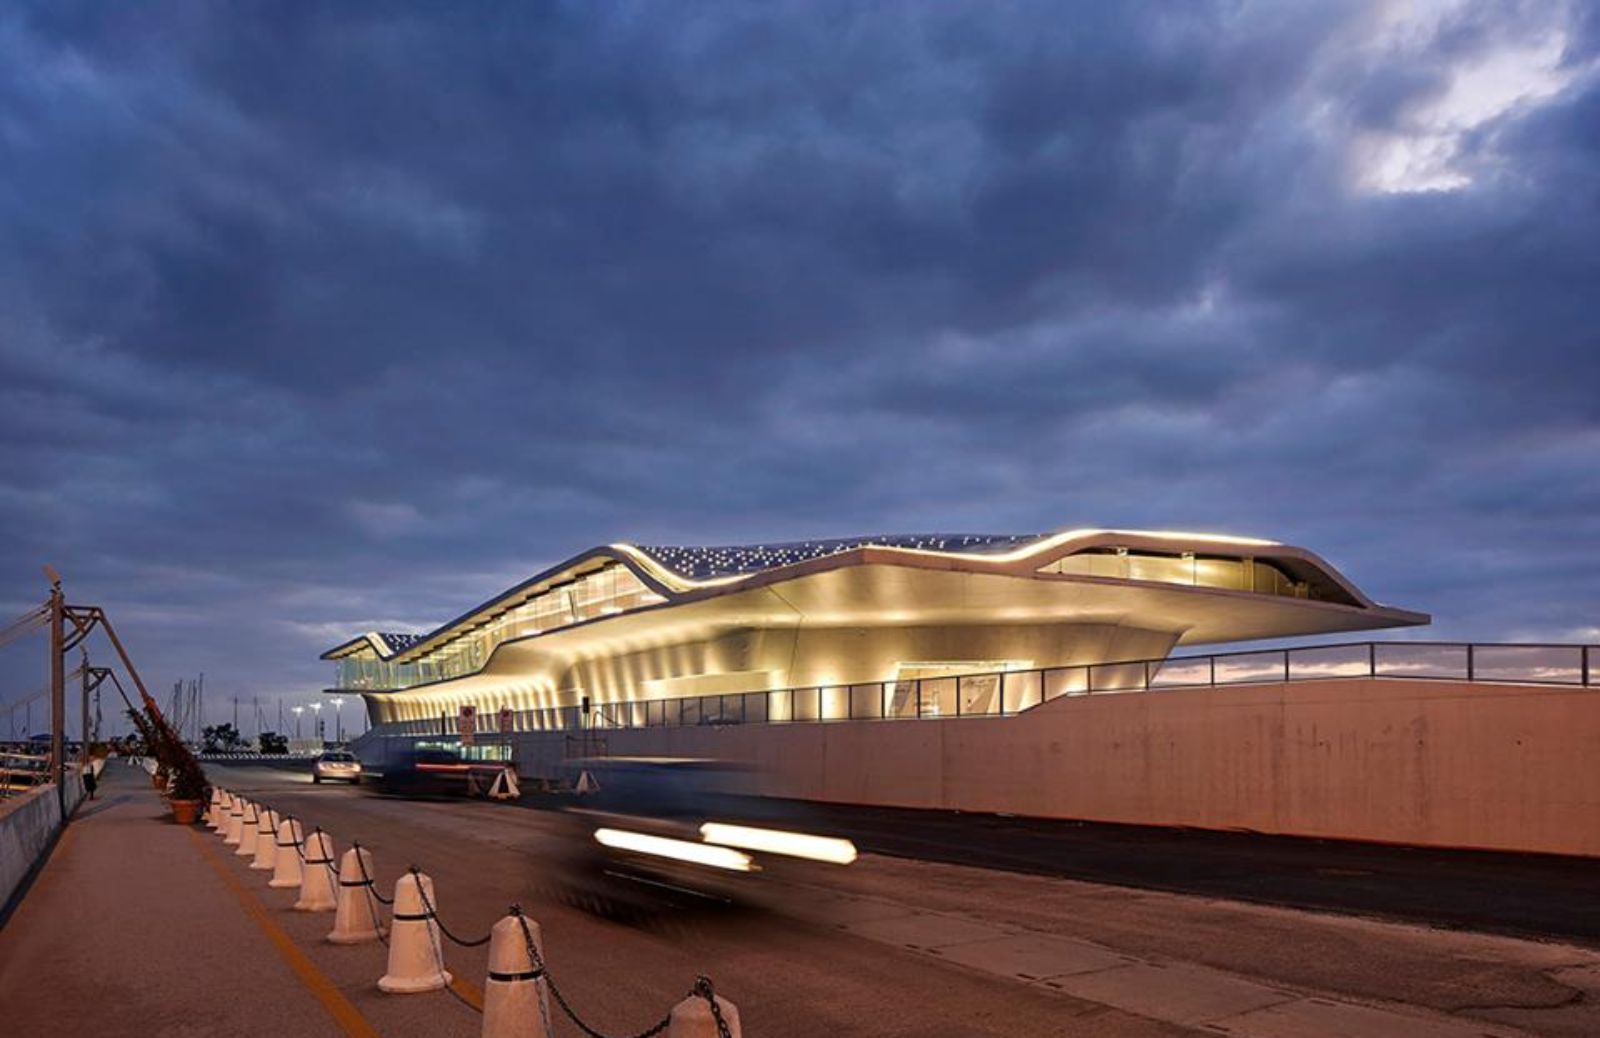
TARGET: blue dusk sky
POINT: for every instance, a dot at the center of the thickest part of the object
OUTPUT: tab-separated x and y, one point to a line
320	318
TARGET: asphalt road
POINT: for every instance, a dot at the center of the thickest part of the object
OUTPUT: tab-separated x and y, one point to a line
937	940
1527	895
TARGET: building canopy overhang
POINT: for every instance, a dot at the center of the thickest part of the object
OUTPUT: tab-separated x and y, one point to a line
1203	588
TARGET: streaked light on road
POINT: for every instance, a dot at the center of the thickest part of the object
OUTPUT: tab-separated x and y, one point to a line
682	850
776	841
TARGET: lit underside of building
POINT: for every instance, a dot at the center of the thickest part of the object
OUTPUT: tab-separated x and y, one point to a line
930	625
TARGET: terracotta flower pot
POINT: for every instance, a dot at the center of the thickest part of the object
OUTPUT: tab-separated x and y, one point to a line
185	812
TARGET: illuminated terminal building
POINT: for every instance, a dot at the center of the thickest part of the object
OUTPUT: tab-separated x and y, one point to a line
871	627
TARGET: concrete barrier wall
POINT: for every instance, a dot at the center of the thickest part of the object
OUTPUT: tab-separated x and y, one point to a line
1441	763
28	825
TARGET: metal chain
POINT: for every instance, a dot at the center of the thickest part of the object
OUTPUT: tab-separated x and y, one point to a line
703	988
702	984
438	953
300	852
540	968
427	906
372	888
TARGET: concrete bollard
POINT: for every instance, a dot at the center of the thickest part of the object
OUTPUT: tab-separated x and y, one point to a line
415	961
211	806
355	920
266	841
248	830
316	875
286	864
516	997
219	817
692	1017
235	823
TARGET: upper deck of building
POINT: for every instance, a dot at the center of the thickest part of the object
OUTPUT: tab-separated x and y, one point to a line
1211	587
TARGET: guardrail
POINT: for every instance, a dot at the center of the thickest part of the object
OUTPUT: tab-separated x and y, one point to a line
20	772
1011	692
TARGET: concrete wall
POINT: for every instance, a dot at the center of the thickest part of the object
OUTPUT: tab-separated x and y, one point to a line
1419	762
28	825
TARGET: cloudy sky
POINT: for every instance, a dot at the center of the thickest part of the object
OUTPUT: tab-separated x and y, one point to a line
320	318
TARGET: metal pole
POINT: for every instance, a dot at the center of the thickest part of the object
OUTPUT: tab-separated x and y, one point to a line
58	695
83	752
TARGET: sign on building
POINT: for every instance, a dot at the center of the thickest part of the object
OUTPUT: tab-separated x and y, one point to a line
467	724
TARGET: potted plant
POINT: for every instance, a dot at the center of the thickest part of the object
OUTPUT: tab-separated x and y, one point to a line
188	794
178	775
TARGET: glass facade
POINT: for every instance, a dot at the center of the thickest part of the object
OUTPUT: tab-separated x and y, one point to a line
606	591
1231	574
1011	692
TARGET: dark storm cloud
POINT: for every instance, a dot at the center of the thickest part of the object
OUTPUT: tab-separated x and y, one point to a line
323	318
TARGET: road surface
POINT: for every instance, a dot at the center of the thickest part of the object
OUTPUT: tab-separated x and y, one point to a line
897	946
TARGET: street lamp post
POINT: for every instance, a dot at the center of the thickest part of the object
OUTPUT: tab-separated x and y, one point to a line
338	720
298	710
318	726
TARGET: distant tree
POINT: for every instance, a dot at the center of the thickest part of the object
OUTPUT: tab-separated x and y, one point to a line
272	742
221	738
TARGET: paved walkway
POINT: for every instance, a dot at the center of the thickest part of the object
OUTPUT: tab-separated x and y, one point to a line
134	928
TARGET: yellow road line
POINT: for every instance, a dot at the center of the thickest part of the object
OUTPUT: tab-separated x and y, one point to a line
467	990
345	1014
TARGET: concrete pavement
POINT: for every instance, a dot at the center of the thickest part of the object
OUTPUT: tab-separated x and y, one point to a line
128	930
164	922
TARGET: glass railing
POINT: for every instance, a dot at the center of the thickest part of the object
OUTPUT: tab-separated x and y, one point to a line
1008	693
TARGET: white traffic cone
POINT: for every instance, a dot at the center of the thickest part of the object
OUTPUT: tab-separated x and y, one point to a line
219	817
415	961
266	841
355	920
248	831
211	805
516	997
316	875
235	823
286	864
692	1018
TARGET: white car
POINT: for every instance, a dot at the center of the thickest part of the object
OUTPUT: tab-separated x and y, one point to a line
337	764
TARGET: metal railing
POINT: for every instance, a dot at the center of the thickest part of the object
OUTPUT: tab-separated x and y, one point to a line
20	772
1011	692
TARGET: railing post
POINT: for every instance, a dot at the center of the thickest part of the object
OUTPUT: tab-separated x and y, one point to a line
1002	693
958	695
1585	666
1146	676
1372	660
918	683
1471	670
1285	666
1212	660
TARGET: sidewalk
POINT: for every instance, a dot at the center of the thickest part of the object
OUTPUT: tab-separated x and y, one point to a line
131	930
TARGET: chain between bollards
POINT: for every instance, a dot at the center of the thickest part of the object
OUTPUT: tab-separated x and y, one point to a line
427	906
372	888
702	988
540	969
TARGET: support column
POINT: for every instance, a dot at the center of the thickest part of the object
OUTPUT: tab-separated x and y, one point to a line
58	695
83	753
